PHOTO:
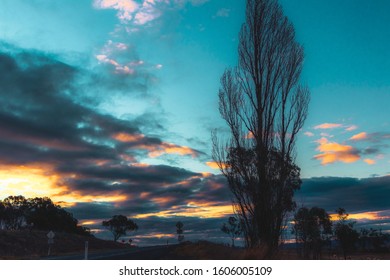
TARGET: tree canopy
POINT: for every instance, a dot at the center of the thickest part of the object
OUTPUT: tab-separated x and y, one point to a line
119	225
312	228
17	212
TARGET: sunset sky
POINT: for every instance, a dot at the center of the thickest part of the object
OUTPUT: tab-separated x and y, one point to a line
107	107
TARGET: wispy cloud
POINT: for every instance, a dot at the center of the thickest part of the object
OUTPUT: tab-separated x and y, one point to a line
328	126
351	128
130	10
142	12
309	134
223	12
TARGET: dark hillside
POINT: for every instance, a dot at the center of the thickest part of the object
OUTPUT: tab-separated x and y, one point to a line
26	244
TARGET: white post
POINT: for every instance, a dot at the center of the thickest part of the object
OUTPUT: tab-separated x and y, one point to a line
86	251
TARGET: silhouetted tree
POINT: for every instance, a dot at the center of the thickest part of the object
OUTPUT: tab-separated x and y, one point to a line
2	215
345	233
119	225
264	107
373	239
312	229
17	212
180	231
232	228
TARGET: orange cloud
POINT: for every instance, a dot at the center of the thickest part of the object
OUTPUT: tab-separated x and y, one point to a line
214	165
359	136
249	135
168	148
328	126
369	161
333	152
162	201
126	137
157	149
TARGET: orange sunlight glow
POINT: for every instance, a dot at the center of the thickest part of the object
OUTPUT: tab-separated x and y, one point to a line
249	135
89	222
155	235
192	209
214	165
42	181
332	152
375	215
29	181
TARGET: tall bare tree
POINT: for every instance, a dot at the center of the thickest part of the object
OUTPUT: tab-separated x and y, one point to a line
264	107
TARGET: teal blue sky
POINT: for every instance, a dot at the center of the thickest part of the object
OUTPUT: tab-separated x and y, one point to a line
140	81
184	47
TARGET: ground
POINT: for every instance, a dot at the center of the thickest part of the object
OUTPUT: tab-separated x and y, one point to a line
29	245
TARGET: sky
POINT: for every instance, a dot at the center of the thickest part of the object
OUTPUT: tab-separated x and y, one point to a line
107	107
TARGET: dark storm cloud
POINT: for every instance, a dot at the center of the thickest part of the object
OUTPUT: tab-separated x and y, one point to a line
43	120
355	195
157	231
40	111
149	174
93	211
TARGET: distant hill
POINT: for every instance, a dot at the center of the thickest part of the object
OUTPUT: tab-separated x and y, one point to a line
26	244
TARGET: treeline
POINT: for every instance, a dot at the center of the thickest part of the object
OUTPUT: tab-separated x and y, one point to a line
40	213
315	231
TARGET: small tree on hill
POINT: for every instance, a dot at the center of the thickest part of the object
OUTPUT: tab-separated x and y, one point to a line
119	225
232	228
179	230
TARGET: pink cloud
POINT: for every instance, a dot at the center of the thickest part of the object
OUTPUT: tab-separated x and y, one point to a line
351	128
144	11
309	134
125	8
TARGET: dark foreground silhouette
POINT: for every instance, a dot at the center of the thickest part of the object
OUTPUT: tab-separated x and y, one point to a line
26	245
